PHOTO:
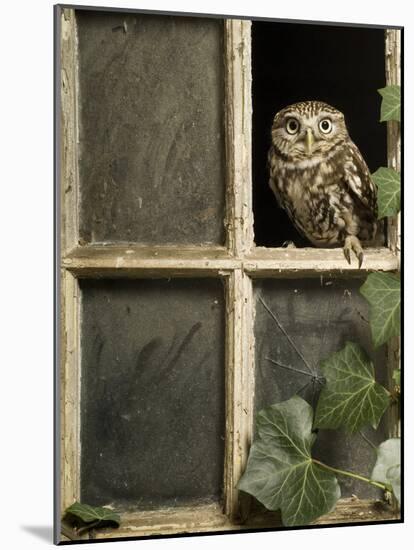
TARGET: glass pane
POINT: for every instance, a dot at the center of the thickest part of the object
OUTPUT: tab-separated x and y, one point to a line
319	316
152	403
151	117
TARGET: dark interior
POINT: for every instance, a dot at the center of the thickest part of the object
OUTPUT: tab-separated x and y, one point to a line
343	66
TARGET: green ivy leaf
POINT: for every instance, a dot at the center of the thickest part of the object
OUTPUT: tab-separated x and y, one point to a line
396	376
387	468
383	292
89	514
391	103
387	181
351	398
280	471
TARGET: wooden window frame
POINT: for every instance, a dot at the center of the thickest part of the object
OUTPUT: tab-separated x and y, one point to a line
237	263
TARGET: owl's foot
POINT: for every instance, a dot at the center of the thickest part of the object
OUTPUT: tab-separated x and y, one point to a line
352	244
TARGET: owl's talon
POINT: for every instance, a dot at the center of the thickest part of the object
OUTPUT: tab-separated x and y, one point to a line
352	243
347	255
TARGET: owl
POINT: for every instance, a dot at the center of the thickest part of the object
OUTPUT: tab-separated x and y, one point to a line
319	177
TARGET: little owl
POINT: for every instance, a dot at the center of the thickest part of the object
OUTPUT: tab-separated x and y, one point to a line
320	178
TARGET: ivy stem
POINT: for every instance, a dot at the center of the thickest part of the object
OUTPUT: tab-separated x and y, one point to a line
350	474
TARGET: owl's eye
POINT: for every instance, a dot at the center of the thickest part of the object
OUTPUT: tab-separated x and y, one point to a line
292	126
325	125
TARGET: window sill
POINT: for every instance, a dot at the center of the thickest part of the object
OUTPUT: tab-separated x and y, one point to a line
299	262
210	518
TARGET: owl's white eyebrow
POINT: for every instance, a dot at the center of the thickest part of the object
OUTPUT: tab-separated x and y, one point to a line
322	114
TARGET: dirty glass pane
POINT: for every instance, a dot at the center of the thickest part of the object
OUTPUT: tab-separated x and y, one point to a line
152	402
319	316
151	118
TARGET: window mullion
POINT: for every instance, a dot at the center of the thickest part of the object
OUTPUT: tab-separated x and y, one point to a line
238	135
239	311
239	384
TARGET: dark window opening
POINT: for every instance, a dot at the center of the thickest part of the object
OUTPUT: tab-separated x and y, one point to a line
342	66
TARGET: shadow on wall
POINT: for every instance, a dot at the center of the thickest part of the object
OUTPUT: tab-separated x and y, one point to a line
42	532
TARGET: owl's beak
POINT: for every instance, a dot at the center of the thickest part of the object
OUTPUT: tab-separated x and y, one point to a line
309	141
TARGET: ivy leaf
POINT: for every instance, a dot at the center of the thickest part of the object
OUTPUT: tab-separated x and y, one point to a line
280	471
383	292
89	514
351	398
389	191
387	468
391	103
396	376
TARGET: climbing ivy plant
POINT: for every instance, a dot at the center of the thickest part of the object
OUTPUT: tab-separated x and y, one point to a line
383	290
388	184
281	472
391	103
351	397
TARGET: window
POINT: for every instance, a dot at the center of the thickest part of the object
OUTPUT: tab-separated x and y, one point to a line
164	333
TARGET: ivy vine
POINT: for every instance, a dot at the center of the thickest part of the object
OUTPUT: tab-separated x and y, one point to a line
281	472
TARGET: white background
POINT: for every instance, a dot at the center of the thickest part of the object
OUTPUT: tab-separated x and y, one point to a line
26	153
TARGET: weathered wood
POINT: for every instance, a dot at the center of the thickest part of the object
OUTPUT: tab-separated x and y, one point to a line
124	261
70	391
305	262
238	135
239	384
211	518
129	261
393	76
352	510
68	126
169	521
239	333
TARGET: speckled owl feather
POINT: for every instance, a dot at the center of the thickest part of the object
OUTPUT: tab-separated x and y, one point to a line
319	177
